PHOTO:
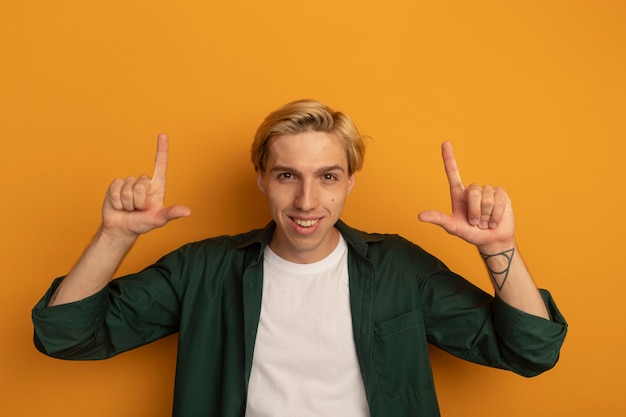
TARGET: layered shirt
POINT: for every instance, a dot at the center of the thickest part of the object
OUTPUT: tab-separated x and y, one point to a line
210	292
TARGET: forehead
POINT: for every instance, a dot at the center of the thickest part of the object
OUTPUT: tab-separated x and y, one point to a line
307	149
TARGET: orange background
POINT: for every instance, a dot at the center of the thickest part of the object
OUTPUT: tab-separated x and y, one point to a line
531	94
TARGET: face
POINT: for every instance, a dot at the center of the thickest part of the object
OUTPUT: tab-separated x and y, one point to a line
306	183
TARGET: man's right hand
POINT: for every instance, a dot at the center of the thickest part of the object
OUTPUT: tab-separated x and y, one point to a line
131	207
134	206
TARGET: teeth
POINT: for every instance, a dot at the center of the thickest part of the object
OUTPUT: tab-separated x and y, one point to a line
305	223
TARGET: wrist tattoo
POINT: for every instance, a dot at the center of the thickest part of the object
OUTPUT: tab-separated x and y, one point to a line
498	266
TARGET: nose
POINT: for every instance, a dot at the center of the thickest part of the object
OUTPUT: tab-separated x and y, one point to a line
307	198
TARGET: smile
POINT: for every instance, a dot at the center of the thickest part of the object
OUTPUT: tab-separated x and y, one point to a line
305	223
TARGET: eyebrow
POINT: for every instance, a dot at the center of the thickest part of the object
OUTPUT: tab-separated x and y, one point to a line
319	171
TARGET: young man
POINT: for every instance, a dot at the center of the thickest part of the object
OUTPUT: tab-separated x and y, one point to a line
307	316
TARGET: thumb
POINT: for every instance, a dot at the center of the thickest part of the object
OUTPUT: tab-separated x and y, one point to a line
173	212
435	217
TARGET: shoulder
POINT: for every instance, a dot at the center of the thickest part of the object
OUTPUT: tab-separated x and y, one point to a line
226	247
377	246
399	249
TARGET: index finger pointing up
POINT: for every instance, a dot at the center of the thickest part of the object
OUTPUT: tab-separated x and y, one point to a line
452	170
160	162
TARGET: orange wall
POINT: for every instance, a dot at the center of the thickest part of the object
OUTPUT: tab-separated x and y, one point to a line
531	94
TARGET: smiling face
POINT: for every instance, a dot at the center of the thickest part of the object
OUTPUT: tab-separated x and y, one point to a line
306	182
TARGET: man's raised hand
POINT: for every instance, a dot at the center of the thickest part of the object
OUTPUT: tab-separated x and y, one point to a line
481	215
133	206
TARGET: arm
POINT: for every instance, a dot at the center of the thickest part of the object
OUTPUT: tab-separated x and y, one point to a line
131	207
483	216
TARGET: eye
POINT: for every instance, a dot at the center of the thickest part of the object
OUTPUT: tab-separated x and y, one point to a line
284	176
329	177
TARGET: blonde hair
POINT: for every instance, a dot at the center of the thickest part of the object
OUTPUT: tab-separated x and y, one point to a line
308	115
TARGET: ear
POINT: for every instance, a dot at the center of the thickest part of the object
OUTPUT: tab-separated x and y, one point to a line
351	182
259	182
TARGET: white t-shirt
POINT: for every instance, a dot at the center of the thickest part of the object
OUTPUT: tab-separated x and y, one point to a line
305	361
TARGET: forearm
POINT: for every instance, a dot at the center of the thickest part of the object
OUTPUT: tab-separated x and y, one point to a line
94	269
512	280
